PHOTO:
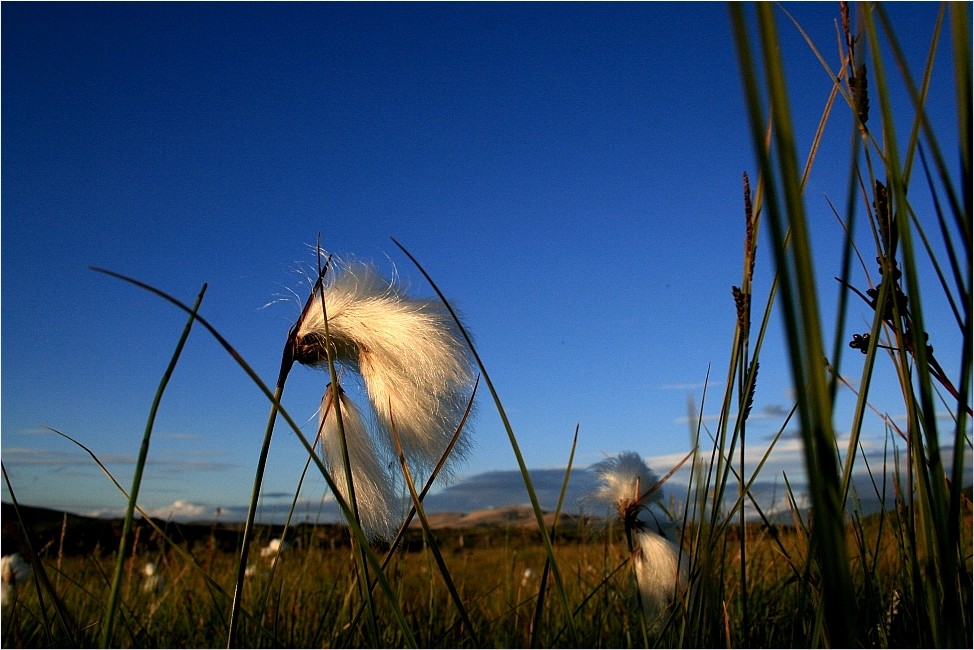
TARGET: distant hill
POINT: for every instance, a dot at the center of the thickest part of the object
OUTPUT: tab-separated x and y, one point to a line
52	531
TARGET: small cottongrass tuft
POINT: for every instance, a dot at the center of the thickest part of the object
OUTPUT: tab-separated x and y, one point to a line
274	548
14	570
627	485
154	582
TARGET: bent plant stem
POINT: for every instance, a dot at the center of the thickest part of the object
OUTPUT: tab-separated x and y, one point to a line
109	620
40	575
431	539
529	486
287	362
251	515
366	593
394	544
801	317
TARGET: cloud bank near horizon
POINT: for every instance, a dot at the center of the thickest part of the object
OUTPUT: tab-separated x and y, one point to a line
496	489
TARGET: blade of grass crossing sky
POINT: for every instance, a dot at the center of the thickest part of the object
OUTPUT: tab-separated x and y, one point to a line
942	553
546	570
526	476
960	31
365	591
800	312
432	544
108	623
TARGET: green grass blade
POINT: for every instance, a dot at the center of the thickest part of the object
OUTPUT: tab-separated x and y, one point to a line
800	310
539	515
432	544
546	570
40	574
249	523
108	623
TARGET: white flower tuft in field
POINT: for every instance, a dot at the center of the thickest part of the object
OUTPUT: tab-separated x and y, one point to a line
154	583
14	571
660	572
274	548
417	372
627	485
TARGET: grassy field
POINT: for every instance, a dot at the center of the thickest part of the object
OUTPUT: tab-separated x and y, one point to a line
831	577
307	596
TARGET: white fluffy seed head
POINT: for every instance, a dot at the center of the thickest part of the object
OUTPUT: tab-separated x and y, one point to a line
410	353
660	572
375	495
274	548
625	483
14	569
416	368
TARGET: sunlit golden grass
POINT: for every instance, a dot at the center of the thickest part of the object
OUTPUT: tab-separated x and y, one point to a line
305	599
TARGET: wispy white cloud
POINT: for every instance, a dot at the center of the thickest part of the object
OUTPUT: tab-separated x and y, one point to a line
323	510
25	456
178	435
685	387
767	412
57	458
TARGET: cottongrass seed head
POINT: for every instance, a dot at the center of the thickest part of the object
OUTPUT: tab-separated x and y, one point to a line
372	479
14	570
626	484
417	371
274	548
154	583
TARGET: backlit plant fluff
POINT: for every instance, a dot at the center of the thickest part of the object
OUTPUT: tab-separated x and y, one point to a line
627	485
417	372
14	570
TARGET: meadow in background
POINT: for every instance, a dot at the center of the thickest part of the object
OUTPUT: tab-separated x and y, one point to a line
829	577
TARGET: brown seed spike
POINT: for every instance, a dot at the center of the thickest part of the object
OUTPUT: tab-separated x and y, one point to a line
749	402
749	234
881	205
860	94
844	12
743	303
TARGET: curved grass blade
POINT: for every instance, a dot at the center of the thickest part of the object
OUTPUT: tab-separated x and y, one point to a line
394	544
431	539
108	623
800	310
535	504
546	570
40	575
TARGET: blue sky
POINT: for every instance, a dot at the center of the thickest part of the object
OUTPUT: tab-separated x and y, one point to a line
570	175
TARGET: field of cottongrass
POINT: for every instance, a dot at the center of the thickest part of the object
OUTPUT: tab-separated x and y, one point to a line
831	577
